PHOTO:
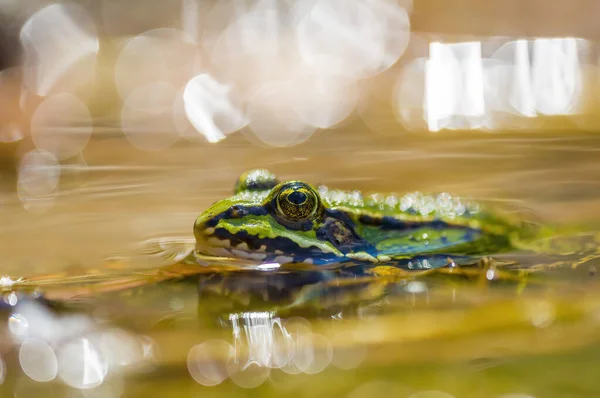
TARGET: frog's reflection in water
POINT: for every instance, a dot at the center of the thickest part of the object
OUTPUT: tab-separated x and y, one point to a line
262	342
268	315
283	319
333	292
298	293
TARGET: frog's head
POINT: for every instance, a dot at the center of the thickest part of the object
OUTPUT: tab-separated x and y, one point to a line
270	221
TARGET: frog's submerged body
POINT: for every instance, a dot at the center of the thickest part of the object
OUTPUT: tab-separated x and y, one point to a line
292	222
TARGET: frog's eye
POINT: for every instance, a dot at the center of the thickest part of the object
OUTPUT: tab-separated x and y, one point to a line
297	201
256	180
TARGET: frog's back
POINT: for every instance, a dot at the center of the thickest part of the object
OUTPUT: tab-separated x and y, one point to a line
417	223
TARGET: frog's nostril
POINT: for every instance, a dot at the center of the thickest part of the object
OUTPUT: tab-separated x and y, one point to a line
237	212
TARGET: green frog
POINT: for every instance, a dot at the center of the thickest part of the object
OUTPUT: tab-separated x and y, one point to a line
293	222
327	248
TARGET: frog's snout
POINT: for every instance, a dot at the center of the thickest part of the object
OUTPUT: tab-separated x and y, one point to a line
203	220
203	231
206	240
215	240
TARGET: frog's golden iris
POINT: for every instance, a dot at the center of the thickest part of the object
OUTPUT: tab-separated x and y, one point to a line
297	201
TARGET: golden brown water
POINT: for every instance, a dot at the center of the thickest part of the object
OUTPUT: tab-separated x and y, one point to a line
157	194
462	339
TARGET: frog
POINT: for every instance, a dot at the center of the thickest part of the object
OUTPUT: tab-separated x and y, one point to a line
295	223
289	246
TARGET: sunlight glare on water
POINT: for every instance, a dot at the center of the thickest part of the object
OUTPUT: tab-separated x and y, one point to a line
74	348
34	321
261	344
250	364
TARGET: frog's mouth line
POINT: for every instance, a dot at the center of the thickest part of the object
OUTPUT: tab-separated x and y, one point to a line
220	242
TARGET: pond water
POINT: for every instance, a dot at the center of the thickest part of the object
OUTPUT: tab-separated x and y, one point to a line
121	328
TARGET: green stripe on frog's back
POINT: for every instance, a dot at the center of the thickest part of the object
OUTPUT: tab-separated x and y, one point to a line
416	223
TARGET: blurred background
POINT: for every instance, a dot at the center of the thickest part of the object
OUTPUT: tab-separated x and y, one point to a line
121	121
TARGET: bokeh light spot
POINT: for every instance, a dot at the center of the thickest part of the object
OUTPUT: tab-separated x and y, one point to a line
37	359
2	370
147	117
340	37
207	361
81	365
39	174
61	125
159	55
56	39
211	108
272	117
